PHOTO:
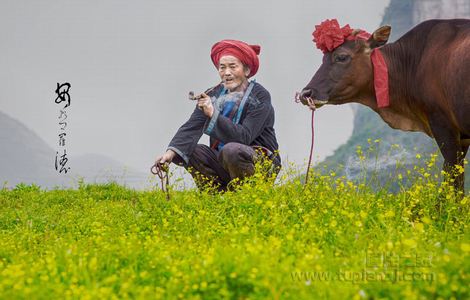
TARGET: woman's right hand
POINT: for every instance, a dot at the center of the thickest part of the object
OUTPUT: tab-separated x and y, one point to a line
204	103
165	158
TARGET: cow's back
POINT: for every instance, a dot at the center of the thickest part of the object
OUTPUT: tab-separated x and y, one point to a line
443	68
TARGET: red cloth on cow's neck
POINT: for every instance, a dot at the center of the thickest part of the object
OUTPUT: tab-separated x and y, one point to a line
328	36
380	78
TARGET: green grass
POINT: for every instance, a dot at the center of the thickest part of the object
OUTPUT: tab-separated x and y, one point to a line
334	239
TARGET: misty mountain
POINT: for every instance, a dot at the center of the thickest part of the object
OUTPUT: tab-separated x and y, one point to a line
26	158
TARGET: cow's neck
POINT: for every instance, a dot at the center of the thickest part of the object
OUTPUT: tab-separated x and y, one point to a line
402	113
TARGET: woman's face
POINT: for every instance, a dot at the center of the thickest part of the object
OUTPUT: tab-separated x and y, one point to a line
233	74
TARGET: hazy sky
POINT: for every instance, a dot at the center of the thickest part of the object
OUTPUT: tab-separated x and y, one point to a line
132	63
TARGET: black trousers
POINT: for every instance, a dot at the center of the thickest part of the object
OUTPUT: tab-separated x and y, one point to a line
235	160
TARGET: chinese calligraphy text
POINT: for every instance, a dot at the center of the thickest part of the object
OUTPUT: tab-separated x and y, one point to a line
63	97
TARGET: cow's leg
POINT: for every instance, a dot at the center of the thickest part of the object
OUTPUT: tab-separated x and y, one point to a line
461	158
448	141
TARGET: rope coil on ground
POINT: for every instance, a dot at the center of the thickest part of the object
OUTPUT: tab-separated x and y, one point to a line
161	170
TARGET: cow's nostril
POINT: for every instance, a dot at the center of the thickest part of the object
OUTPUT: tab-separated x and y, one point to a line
306	93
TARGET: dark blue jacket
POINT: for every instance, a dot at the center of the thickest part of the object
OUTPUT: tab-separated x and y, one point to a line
255	127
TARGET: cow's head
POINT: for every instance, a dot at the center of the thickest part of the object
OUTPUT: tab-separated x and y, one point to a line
346	72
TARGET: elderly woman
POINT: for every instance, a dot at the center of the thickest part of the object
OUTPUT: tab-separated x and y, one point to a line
237	115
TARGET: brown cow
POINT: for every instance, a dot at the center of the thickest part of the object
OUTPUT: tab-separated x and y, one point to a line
428	79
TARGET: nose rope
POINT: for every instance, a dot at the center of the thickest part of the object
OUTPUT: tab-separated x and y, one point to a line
311	148
161	170
297	100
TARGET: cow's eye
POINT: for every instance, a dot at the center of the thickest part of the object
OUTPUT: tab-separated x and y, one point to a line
341	58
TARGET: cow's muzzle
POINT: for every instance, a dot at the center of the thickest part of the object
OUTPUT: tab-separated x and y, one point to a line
307	98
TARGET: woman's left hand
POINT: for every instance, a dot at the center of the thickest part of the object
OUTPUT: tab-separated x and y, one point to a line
204	103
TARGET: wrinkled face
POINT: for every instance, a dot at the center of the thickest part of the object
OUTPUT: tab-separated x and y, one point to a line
344	75
233	73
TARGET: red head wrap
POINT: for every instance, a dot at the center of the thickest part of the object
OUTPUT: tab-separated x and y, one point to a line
328	35
247	54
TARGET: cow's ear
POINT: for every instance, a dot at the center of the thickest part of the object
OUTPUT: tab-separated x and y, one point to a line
380	36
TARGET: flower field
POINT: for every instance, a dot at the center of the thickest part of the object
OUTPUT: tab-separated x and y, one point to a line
333	239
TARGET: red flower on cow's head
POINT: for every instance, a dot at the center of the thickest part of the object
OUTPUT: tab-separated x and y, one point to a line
328	35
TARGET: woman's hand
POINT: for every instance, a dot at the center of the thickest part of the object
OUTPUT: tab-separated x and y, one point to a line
204	103
165	158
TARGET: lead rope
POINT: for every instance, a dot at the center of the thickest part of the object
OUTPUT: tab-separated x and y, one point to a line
311	149
297	100
161	170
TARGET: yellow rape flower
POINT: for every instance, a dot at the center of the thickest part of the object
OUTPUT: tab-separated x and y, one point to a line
465	247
